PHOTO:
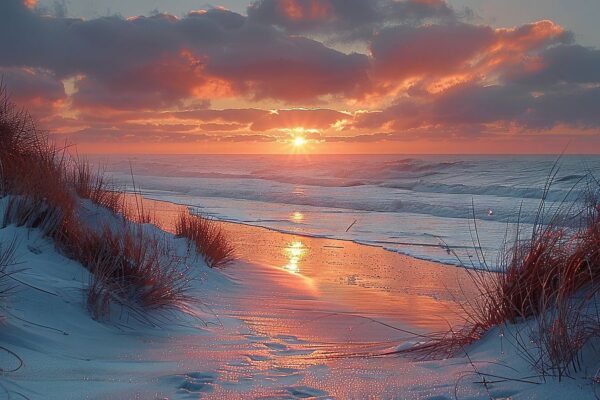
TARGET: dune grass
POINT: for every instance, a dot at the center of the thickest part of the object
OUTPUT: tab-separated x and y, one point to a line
128	266
207	237
7	259
93	185
134	269
549	280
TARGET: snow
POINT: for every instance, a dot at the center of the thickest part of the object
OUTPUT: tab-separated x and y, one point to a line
258	331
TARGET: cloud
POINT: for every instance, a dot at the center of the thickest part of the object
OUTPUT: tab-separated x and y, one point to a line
474	104
37	88
425	72
214	127
298	118
249	138
433	51
364	138
402	52
294	69
232	115
345	19
560	64
162	59
479	108
575	107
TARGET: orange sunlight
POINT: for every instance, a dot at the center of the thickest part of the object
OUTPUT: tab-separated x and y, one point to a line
299	141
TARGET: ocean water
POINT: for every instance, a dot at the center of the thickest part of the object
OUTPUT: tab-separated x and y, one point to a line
432	207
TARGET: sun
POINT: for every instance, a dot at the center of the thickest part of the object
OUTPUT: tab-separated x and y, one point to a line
299	141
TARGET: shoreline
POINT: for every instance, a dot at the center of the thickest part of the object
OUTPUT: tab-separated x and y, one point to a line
363	279
381	245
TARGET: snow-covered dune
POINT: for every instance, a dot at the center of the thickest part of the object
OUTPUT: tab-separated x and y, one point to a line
256	331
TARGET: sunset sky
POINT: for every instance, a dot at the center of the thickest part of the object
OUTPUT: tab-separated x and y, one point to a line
322	76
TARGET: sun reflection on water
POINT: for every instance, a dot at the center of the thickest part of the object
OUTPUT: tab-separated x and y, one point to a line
297	216
295	252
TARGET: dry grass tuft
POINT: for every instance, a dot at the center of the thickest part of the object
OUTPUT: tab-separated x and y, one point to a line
208	237
129	266
550	278
34	214
135	211
7	258
92	185
132	269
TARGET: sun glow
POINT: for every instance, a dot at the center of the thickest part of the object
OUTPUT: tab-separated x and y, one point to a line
299	141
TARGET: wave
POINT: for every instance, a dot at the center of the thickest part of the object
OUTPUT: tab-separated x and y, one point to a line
491	190
571	178
503	213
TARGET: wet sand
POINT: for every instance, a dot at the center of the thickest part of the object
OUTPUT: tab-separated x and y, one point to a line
368	281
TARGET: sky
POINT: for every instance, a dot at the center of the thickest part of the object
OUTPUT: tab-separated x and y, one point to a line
316	76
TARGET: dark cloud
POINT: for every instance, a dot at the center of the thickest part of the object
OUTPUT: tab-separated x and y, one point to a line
560	64
26	84
575	107
39	89
473	107
295	69
406	51
473	104
345	19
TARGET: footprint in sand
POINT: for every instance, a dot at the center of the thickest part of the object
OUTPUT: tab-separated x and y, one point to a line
257	357
290	339
195	383
282	350
305	392
275	346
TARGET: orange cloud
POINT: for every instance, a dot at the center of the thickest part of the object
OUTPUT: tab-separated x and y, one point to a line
307	10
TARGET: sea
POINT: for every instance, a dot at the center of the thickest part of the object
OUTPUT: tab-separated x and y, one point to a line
450	209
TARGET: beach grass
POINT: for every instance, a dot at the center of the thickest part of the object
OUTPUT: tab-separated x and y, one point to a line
546	284
128	266
208	238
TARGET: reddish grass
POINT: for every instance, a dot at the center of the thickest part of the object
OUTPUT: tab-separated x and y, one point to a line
133	269
134	211
128	266
552	278
208	237
33	168
92	185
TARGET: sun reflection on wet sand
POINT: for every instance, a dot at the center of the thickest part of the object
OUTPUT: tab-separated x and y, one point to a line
295	252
